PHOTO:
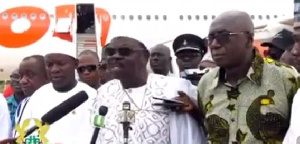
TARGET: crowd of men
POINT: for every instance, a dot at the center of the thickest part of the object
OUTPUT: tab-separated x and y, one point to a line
227	92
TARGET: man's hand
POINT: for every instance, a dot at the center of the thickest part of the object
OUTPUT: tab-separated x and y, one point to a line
189	106
8	141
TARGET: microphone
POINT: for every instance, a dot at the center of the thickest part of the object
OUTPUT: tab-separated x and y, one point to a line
99	122
126	119
61	110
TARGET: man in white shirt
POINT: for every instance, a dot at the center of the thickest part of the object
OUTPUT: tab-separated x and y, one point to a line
127	60
5	122
160	60
293	134
75	127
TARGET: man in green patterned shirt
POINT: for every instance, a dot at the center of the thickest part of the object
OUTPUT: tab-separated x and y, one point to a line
246	99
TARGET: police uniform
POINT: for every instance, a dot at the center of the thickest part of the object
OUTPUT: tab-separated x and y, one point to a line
189	42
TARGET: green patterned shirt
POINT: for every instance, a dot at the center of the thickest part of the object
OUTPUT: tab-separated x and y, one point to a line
256	111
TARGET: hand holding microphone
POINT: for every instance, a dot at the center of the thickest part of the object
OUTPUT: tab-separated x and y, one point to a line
8	141
61	110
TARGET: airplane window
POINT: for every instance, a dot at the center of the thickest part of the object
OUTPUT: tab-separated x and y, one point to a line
156	17
122	17
131	17
114	17
275	16
181	17
197	17
164	17
42	16
33	16
268	17
252	16
213	17
139	17
14	16
23	15
205	17
259	16
148	17
4	16
189	17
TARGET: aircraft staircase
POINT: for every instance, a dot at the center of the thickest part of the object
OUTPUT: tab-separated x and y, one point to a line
86	37
86	42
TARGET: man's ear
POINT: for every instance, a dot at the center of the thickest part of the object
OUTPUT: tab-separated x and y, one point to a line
250	40
147	54
76	63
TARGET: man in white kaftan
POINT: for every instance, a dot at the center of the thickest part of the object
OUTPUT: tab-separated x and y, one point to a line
293	134
75	127
153	125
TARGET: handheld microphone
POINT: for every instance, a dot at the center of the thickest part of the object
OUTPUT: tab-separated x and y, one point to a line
61	110
98	122
126	121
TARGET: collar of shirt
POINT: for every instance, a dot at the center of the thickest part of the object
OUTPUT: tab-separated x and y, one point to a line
12	106
11	101
254	73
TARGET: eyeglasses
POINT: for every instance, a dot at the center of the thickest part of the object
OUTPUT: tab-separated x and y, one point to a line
88	68
124	51
223	36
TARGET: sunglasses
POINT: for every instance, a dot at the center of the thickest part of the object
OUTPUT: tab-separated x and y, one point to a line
223	36
124	51
88	68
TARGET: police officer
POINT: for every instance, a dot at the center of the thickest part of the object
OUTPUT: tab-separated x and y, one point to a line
189	50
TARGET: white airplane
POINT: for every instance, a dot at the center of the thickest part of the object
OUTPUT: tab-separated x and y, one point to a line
25	26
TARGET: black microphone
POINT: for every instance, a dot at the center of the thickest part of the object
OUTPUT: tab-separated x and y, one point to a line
126	121
61	110
102	112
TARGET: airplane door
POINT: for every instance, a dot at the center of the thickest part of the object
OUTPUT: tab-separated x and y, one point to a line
86	35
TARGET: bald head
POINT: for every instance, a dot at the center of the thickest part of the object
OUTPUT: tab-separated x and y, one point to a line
161	49
16	71
160	59
235	21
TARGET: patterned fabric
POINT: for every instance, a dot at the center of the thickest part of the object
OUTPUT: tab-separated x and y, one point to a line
12	106
151	124
257	110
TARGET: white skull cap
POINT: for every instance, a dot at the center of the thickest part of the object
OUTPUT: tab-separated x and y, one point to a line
60	46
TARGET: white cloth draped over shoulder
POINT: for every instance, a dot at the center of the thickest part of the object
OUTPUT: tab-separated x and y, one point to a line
5	122
293	134
152	124
74	128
